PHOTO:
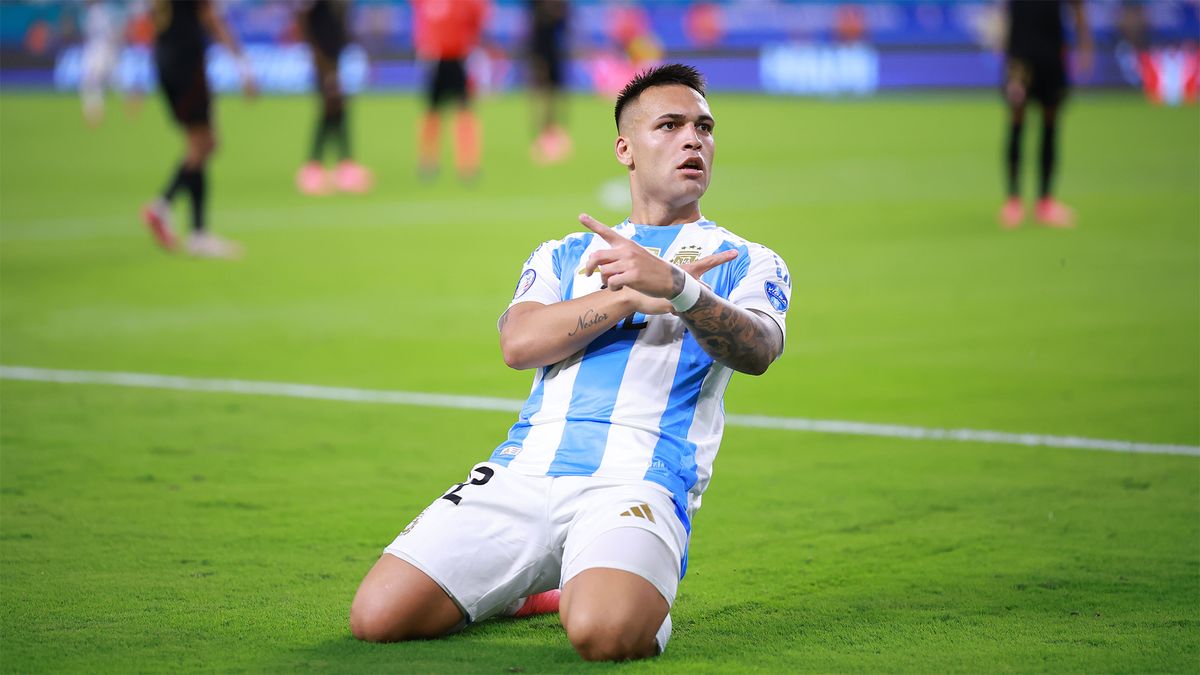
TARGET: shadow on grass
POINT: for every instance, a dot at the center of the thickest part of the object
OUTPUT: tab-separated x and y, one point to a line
536	645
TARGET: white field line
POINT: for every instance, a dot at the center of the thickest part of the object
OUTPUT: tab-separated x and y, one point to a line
311	391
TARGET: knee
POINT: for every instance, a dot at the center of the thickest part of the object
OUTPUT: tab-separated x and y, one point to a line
371	622
602	638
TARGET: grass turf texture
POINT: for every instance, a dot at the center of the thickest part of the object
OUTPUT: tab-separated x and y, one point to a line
154	531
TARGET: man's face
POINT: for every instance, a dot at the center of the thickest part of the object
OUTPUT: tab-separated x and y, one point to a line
667	142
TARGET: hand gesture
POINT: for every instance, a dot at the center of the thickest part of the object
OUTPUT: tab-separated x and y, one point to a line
628	265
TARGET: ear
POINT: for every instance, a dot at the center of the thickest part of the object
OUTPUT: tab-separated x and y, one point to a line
624	152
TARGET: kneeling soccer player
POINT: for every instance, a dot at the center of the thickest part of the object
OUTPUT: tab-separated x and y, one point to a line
634	332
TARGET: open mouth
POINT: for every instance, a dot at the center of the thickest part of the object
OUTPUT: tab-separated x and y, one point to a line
692	166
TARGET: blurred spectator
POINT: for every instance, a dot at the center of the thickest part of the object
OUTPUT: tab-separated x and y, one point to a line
446	31
1036	68
323	25
547	61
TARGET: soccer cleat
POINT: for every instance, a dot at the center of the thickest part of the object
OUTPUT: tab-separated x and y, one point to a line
157	216
206	245
552	146
312	180
1012	213
540	603
352	177
1053	213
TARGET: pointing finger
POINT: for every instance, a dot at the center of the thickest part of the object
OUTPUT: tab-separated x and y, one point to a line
603	231
708	262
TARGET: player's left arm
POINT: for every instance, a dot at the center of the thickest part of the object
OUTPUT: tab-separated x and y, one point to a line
741	338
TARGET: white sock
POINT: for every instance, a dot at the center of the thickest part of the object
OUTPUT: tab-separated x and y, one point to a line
663	634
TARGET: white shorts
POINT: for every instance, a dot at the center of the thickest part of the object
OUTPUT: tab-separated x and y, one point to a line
503	535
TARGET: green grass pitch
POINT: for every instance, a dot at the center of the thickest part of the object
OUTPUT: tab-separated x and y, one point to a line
154	531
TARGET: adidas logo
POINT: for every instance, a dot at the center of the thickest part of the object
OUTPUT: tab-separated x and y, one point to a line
642	511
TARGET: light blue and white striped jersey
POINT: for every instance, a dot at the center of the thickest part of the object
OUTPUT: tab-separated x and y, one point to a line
643	400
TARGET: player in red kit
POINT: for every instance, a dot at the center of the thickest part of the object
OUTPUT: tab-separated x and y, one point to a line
446	31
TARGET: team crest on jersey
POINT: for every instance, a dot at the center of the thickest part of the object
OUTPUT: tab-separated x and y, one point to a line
524	283
776	296
686	255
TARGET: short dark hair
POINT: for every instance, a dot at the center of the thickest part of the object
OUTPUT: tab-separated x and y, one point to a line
671	73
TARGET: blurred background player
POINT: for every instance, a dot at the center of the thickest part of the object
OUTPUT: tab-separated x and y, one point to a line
547	38
1036	68
103	25
323	24
183	28
446	32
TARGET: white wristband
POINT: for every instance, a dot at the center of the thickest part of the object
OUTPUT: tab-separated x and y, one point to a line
689	295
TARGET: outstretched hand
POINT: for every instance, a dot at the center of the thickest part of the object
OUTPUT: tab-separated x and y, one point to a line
627	264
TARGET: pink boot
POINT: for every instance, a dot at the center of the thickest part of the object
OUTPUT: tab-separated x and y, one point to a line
1012	213
157	216
353	177
1053	213
540	603
312	180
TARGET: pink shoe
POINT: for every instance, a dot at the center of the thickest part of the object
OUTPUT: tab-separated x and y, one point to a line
551	147
1053	213
1012	213
353	177
311	179
541	603
204	245
157	216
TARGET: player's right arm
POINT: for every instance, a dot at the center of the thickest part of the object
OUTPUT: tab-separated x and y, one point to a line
540	329
533	335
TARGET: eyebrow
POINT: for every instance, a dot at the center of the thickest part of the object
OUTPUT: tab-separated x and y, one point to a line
680	116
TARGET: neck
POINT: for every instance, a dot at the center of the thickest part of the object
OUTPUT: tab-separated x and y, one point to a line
648	212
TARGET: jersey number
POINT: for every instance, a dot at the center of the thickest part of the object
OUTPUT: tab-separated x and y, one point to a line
630	322
486	474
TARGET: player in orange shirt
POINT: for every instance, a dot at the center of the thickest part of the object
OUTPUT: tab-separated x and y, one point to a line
446	31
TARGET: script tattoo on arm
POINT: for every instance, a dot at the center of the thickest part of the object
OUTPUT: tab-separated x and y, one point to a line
588	319
740	338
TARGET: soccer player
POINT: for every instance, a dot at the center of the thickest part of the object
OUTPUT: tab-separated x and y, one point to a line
547	33
633	333
323	23
1036	68
103	25
183	28
446	31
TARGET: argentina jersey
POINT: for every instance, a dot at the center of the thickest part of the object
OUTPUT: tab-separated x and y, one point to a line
642	400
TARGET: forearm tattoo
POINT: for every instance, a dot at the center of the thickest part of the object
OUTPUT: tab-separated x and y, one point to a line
678	276
736	337
588	319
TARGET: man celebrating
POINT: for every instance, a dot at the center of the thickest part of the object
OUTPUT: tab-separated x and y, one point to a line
634	332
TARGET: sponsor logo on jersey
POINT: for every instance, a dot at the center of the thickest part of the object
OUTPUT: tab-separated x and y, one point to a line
686	255
641	511
524	283
776	296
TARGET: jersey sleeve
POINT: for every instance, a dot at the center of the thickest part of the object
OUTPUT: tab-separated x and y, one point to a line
766	286
539	280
